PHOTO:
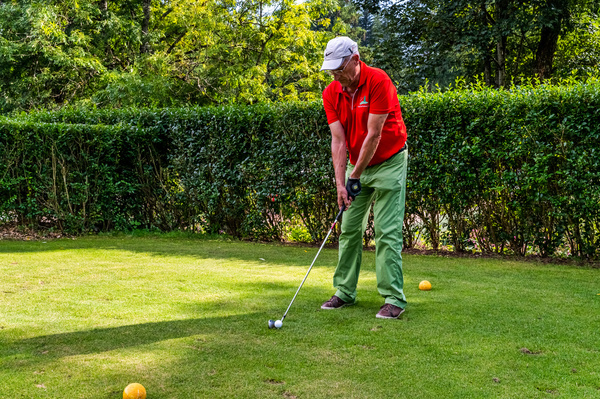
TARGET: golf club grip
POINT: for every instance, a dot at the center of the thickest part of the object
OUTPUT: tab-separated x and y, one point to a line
342	209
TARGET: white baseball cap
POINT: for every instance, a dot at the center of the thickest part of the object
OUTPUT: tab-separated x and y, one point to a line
336	50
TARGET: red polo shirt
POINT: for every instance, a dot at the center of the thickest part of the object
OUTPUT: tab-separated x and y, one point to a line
376	94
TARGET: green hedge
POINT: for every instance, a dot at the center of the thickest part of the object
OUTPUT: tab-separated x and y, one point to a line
494	171
517	170
239	170
83	177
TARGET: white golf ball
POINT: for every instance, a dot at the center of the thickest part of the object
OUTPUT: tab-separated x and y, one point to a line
278	323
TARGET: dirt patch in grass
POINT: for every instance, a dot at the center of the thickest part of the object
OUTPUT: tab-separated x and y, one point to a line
467	254
13	231
530	352
527	258
274	382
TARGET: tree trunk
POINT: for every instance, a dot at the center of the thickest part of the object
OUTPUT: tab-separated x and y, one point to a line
501	58
487	71
502	14
544	56
145	25
486	20
555	14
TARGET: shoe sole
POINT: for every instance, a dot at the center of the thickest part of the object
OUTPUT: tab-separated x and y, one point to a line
388	317
339	307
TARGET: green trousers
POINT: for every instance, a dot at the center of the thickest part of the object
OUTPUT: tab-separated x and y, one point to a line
385	184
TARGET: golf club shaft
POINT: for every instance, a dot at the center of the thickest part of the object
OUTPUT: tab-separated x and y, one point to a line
313	262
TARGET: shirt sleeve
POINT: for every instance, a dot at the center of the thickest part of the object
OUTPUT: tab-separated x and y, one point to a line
330	109
383	96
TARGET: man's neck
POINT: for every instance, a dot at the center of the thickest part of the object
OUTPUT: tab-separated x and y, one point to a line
351	88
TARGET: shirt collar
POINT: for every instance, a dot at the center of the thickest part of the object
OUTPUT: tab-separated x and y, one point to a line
363	74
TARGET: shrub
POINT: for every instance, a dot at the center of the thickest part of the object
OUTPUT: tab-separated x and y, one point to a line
492	171
507	169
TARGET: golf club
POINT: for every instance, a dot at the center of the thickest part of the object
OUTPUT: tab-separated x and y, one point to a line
279	323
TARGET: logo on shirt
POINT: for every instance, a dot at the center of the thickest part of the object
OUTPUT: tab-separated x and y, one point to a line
364	103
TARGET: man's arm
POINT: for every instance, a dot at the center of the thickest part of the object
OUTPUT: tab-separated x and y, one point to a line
338	153
374	129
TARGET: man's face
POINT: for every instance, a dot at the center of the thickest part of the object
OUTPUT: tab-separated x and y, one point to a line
345	73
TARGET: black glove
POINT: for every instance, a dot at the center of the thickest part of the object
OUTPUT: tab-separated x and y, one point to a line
353	187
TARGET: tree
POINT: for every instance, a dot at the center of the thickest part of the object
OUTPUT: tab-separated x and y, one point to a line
249	51
45	54
161	52
501	40
578	51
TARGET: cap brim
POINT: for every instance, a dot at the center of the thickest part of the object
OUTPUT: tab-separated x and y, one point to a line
332	64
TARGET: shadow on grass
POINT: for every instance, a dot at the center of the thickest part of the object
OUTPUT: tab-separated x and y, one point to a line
259	303
281	254
276	298
51	347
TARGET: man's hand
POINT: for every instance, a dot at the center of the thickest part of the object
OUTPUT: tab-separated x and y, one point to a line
353	187
343	198
347	193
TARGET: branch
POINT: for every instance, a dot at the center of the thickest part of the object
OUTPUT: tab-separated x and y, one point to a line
166	13
175	42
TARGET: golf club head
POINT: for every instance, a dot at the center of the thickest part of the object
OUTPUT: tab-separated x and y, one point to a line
271	324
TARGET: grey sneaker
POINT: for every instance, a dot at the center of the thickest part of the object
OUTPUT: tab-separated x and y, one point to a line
335	303
389	311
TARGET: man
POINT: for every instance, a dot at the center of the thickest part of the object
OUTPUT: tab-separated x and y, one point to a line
364	116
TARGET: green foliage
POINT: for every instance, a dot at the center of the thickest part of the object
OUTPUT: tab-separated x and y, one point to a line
45	53
236	169
506	42
495	171
578	51
510	170
78	177
247	170
177	52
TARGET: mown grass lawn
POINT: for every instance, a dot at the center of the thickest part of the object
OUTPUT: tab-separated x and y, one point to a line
187	318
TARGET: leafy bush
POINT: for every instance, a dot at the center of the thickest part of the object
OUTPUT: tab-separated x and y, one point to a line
85	177
513	170
238	169
494	171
